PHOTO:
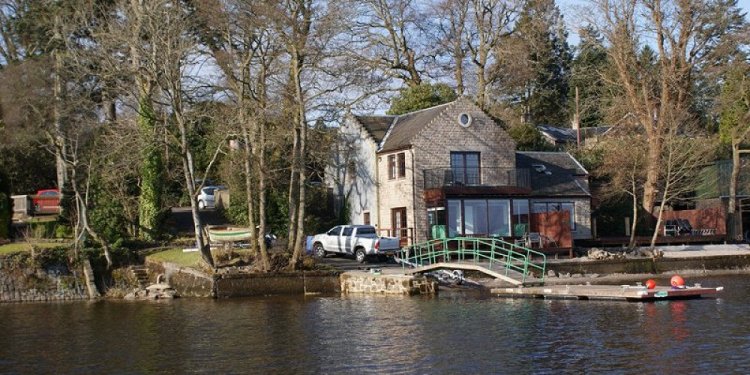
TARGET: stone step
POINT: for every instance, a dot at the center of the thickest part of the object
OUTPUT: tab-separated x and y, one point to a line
141	274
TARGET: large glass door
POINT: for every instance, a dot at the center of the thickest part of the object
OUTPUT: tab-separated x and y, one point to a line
466	168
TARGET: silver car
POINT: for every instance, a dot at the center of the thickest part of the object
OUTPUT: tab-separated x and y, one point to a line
207	196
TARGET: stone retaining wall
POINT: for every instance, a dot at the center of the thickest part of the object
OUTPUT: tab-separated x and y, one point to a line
186	281
22	283
369	283
244	285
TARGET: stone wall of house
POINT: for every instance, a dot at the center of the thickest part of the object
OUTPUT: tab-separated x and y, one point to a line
22	281
355	173
433	145
398	192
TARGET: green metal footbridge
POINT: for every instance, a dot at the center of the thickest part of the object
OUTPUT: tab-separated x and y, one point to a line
500	259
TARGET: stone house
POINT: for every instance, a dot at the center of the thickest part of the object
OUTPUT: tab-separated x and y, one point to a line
452	170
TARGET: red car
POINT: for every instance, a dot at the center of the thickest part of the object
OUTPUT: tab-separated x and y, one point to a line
47	201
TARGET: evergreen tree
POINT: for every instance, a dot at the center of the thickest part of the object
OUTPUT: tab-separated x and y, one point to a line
422	96
542	32
587	72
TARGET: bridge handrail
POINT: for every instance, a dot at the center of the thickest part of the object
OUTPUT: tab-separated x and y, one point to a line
495	251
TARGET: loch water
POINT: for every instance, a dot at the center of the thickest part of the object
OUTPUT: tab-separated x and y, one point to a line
456	332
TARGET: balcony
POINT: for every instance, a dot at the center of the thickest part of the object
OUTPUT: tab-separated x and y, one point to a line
476	177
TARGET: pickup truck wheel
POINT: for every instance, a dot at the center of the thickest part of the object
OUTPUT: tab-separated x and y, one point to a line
319	251
360	255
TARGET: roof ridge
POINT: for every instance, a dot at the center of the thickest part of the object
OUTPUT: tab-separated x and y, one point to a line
440	108
428	108
578	163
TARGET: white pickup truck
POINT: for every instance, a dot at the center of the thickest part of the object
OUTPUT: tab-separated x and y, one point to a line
358	240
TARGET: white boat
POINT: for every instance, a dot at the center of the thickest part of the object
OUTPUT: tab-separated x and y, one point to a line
225	233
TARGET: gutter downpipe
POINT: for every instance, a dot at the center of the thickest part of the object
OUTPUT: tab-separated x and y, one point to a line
377	188
414	196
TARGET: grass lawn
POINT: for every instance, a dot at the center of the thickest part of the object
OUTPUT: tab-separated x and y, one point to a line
23	246
177	256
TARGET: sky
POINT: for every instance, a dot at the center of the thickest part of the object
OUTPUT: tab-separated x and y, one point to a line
570	7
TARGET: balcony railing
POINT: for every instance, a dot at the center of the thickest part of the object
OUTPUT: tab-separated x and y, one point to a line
484	176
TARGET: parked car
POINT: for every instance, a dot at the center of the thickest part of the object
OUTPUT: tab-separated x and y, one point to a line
207	196
361	241
46	201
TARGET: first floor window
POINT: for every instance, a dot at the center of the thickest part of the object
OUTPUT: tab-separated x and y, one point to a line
396	166
465	167
366	218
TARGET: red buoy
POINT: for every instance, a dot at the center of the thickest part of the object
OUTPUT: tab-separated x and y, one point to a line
650	284
677	281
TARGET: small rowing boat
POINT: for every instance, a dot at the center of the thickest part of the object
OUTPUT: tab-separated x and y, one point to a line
224	233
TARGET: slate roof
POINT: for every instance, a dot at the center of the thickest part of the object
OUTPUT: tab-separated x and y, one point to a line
553	173
376	126
408	125
396	132
564	135
558	134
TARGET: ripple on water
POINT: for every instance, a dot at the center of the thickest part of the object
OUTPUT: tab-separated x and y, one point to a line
451	333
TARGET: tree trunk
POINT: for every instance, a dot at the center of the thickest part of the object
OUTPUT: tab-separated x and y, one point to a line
149	202
265	262
458	74
735	177
248	186
62	173
292	198
658	222
200	241
652	173
633	225
300	162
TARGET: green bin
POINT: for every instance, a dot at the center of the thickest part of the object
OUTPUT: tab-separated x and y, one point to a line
439	231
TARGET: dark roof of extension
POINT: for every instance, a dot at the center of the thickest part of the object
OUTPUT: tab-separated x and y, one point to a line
558	134
553	173
376	126
569	135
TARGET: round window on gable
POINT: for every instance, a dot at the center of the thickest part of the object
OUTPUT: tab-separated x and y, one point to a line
464	119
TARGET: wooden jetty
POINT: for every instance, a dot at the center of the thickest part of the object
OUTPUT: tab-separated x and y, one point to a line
607	292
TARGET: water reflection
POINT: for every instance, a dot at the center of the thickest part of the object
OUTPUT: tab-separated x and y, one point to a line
451	333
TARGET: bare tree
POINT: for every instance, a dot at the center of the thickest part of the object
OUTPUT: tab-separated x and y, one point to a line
622	167
451	28
684	153
164	60
245	47
492	22
684	35
388	33
734	129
